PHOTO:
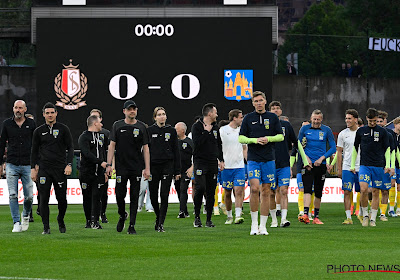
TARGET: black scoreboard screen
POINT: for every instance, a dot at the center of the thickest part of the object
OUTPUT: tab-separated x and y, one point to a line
177	63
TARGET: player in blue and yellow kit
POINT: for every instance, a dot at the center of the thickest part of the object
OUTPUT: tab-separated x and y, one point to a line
374	146
312	145
259	130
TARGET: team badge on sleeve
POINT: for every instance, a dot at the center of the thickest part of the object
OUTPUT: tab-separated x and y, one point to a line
167	136
136	132
42	180
266	123
55	133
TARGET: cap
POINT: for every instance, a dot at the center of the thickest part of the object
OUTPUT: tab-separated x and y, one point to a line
129	103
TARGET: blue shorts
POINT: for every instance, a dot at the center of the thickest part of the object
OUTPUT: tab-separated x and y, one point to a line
397	175
299	181
245	172
219	178
387	181
348	180
233	178
282	177
372	175
263	171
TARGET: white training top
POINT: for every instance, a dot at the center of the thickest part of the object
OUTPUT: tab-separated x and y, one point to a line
232	149
346	141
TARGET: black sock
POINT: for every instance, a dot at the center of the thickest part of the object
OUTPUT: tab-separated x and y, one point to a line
316	212
306	209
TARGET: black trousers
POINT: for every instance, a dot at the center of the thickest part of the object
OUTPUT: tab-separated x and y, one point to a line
181	187
205	176
92	188
120	193
104	199
316	177
160	173
57	178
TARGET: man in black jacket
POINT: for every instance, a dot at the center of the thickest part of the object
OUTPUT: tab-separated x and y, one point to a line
18	131
51	140
92	172
207	152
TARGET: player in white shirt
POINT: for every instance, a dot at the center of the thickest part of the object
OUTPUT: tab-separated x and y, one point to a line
345	144
233	176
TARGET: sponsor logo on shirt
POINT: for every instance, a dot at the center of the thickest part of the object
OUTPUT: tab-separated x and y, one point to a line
266	123
154	135
254	122
55	133
136	132
44	133
167	136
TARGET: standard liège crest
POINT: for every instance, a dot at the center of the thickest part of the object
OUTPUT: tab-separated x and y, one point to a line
70	86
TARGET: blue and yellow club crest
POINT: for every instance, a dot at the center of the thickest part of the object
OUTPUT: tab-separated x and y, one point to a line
215	134
184	145
55	133
84	186
321	135
42	180
266	123
167	136
199	172
136	132
101	136
118	179
284	132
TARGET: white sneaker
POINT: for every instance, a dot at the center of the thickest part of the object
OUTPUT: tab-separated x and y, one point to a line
254	230
398	212
139	209
285	223
263	231
204	211
274	224
229	221
25	223
150	211
216	211
17	227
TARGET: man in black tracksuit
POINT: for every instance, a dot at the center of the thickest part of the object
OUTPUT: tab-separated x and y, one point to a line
207	152
186	153
129	139
164	163
92	173
51	140
105	136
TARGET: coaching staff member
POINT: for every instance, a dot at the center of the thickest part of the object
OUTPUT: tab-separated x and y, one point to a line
51	140
128	138
207	151
92	173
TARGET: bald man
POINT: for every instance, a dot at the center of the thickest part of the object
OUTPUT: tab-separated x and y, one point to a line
18	131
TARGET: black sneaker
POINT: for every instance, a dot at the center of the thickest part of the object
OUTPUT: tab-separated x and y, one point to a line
161	228
38	212
187	215
210	224
181	215
87	224
131	229
104	219
121	223
46	231
31	220
197	222
61	225
96	225
278	213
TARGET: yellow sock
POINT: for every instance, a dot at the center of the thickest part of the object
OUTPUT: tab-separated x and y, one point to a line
380	200
358	202
383	208
216	196
300	201
392	196
223	196
398	199
312	202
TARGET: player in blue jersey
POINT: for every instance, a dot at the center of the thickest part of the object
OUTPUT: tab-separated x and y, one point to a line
312	145
374	146
282	165
260	129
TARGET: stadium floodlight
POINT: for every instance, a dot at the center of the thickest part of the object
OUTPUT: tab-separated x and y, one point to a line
74	2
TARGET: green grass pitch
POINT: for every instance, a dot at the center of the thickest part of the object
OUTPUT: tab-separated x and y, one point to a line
184	252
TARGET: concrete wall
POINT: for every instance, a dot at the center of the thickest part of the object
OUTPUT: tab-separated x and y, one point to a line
333	95
299	96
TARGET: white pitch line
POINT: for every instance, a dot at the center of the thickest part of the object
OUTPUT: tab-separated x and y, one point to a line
154	87
25	278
